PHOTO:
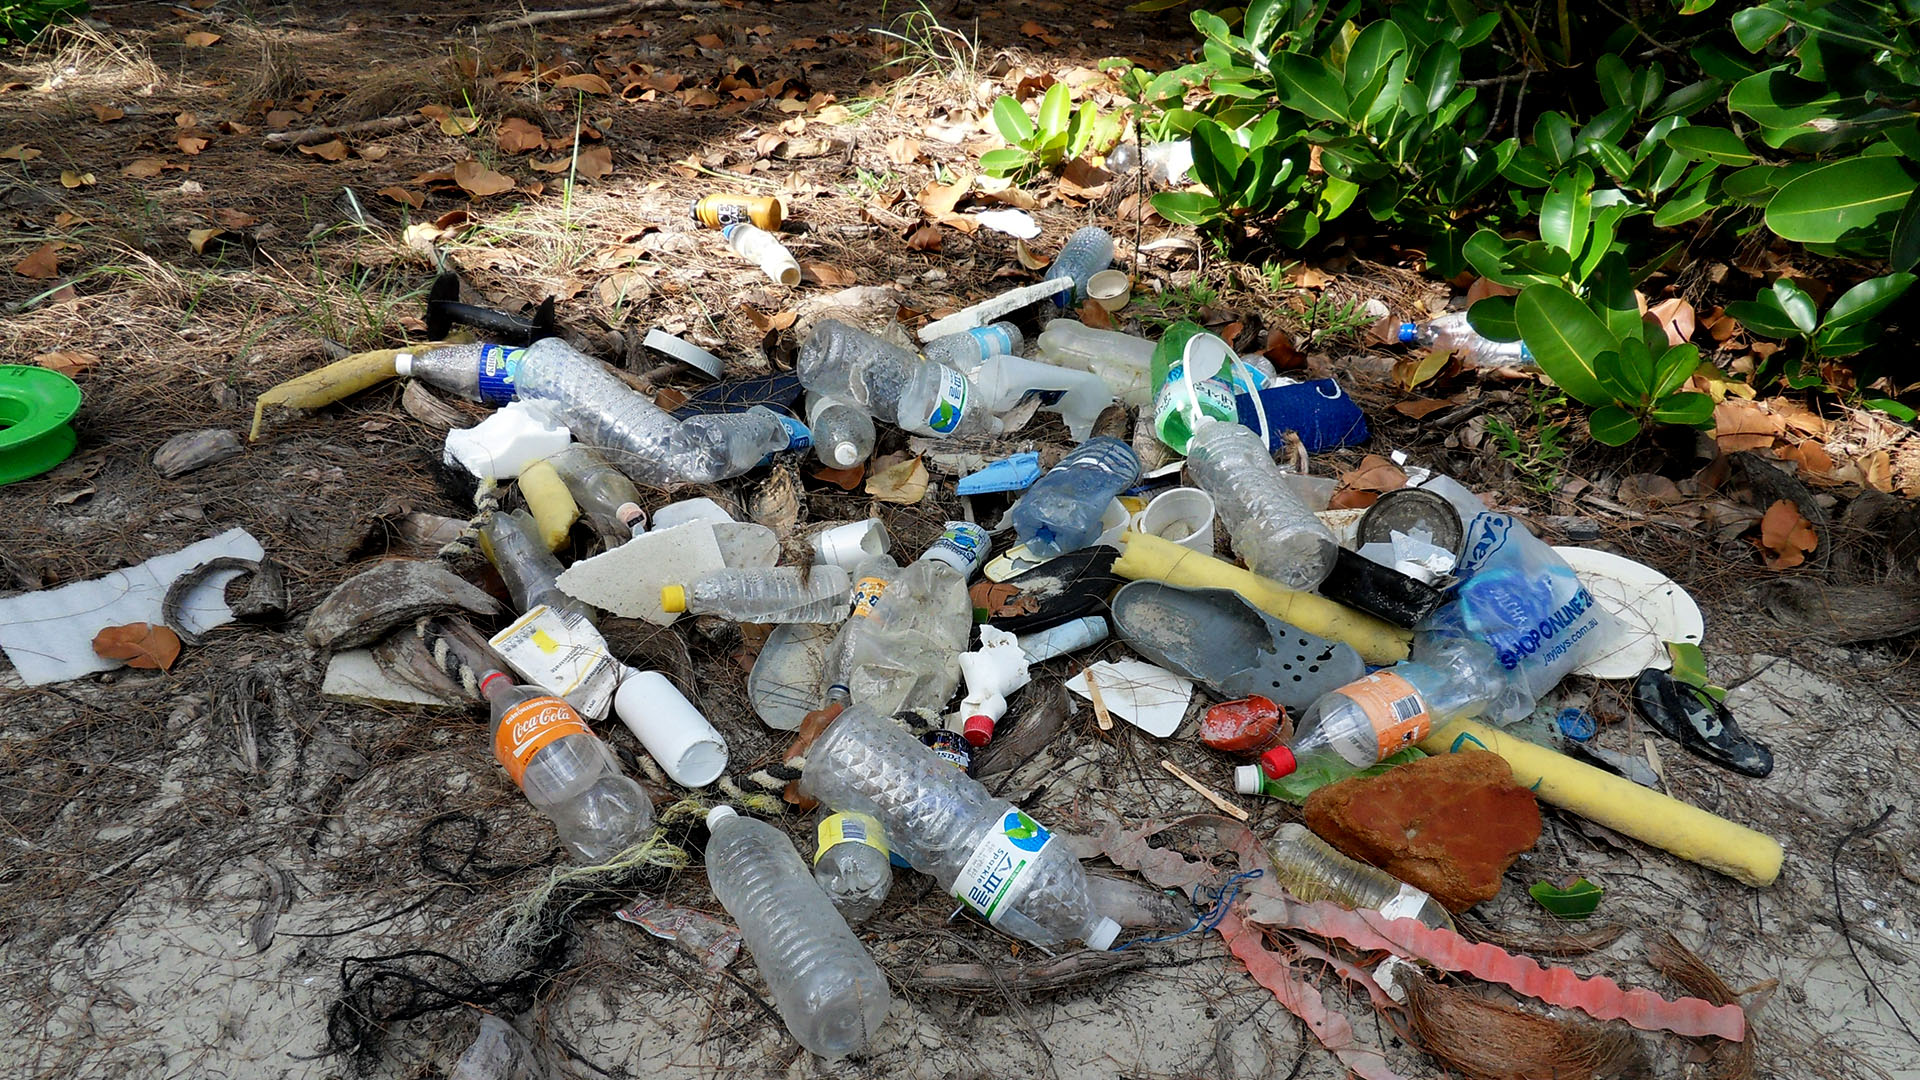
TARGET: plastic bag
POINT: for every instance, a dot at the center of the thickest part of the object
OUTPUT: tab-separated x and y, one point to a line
1522	599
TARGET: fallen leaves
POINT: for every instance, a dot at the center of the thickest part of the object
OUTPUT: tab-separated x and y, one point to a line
199	239
41	263
17	152
898	479
107	114
594	162
200	39
518	136
451	123
1739	424
331	150
764	323
479	181
1786	537
925	238
71	179
1362	486
1676	317
399	194
586	83
902	150
421	235
192	144
1410	373
139	645
149	166
822	273
68	362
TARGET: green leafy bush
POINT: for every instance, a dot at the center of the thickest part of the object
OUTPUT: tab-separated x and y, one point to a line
1058	135
20	20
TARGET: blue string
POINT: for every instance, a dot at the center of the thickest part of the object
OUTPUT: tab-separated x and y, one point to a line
1216	901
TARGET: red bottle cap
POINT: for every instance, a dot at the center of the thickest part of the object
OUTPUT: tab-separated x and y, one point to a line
978	729
1278	762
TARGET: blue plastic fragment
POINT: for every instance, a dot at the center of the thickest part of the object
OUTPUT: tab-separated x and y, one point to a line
1016	473
1320	412
1577	724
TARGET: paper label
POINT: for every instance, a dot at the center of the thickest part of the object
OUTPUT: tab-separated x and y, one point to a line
951	405
529	726
992	340
497	364
849	829
1004	855
1394	708
563	654
866	593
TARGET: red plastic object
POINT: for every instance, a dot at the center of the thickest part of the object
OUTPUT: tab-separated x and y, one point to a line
978	730
1278	762
1248	726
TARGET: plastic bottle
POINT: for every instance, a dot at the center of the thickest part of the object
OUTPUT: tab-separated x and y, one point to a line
1078	396
845	362
901	649
637	436
971	348
1167	162
1086	253
763	249
1310	869
990	855
941	402
1123	362
771	594
851	864
1271	528
843	434
822	982
511	542
1373	718
607	499
1061	511
719	210
1453	331
565	770
1183	404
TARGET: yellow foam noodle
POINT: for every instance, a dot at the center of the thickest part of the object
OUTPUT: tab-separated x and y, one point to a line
1152	558
548	500
341	379
1743	854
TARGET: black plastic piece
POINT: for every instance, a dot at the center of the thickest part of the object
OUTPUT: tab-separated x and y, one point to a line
1060	590
1381	591
1689	716
444	311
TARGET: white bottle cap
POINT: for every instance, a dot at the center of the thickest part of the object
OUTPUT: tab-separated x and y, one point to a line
403	364
1246	779
846	453
719	814
1103	933
687	747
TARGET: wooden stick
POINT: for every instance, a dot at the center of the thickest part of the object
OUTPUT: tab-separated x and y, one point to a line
1204	792
386	125
536	18
1099	706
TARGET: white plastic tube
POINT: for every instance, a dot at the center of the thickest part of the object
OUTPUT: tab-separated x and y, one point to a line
757	245
687	747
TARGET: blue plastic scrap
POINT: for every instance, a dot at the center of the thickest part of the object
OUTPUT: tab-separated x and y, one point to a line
1320	412
1016	473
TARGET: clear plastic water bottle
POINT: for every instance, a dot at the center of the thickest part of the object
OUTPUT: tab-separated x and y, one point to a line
822	982
511	542
482	373
843	434
969	349
1453	331
1312	870
904	652
851	864
845	362
607	499
770	594
1375	717
1123	361
564	769
941	402
1061	511
1167	162
1271	528
1087	252
986	852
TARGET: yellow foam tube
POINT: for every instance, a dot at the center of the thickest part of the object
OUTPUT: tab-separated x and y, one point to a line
550	503
1144	556
1621	805
341	379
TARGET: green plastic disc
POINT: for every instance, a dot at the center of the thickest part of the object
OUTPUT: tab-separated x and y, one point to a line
35	406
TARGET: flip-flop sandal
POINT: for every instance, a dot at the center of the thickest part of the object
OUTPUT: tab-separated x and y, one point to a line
1687	715
1215	637
1057	591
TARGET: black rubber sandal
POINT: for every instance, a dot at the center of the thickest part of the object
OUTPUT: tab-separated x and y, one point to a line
1689	716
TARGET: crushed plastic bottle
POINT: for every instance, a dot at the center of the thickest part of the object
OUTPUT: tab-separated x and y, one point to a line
772	594
564	769
994	858
1310	869
822	982
1453	331
1167	162
1271	528
607	499
763	249
511	542
901	649
1061	511
843	434
1124	362
891	383
851	864
1087	252
969	349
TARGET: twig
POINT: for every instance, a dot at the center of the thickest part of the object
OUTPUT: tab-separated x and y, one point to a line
536	18
1099	706
383	126
1204	792
1840	912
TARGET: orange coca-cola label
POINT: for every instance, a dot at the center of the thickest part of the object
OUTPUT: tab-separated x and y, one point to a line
1395	709
529	726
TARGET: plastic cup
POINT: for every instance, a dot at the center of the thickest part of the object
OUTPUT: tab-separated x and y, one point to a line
850	544
1113	523
1111	289
687	747
1183	515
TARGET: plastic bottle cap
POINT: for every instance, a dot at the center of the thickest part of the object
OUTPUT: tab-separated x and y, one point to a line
1246	779
1102	935
846	453
403	364
631	515
978	729
719	814
1279	762
1407	331
673	598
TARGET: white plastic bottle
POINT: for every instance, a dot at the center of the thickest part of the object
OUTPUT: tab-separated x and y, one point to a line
607	499
565	770
822	982
763	249
992	857
971	348
904	653
1123	362
1310	869
843	434
1271	528
1078	396
1453	331
771	594
1061	512
1087	252
851	864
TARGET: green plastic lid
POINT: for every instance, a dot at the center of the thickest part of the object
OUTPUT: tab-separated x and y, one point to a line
35	405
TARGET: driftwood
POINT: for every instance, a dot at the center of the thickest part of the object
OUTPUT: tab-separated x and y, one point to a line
386	125
537	18
1843	613
1071	970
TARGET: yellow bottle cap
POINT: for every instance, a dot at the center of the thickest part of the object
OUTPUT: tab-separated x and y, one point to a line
673	599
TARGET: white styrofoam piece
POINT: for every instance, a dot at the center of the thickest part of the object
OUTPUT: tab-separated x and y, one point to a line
1015	223
992	308
1145	695
627	580
49	634
1649	607
689	510
744	545
513	438
354	676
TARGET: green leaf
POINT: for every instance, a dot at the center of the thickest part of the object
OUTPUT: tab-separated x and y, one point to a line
1581	899
1564	335
1616	82
1689	99
1613	299
1673	369
1690	409
1308	86
1689	663
1753	185
1437	72
1379	43
1799	307
1488	253
1187	207
1891	408
1011	121
1755	26
1694	7
1492	318
1005	161
1906	235
1529	168
1867	299
1613	425
1600	241
1080	129
1838	341
1335	197
1553	135
1686	204
1715	144
1383	198
1625	378
1605	128
1763	315
1647	86
1262	22
1565	210
1216	160
1775	99
1055	108
1721	64
1387	100
1468	34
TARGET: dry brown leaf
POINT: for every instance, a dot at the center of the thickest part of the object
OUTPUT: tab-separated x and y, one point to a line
1785	536
146	166
401	195
1005	192
558	165
107	114
1309	277
902	481
1739	424
595	162
1095	315
67	217
479	181
17	152
1420	408
1081	179
1485	287
457	124
1282	352
200	238
764	323
1676	317
71	179
453	219
1036	31
938	200
41	263
1877	470
845	479
234	219
518	136
1026	256
709	41
925	238
200	39
140	645
1363	485
1798	417
586	82
699	98
374	153
282	119
823	273
1812	458
833	114
331	150
68	362
1413	371
186	120
193	144
902	150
